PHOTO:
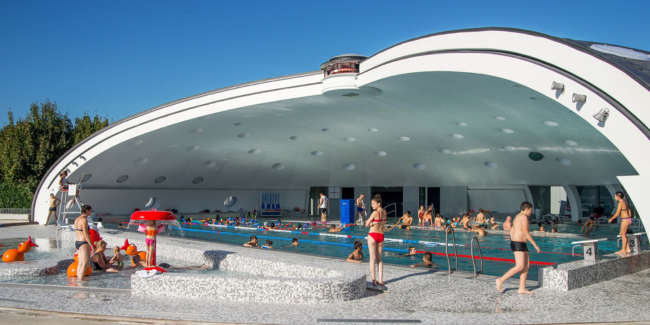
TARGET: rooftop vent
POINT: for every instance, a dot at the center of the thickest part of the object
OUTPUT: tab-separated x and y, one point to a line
344	63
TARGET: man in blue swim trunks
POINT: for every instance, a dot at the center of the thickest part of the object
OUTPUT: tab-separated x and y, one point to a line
361	210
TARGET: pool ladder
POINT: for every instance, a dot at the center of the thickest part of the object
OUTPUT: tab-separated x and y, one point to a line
449	229
480	256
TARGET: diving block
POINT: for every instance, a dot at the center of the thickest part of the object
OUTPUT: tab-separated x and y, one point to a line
589	248
635	243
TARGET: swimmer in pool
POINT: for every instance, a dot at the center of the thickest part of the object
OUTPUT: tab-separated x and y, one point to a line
410	253
268	244
252	242
357	255
479	230
507	225
541	228
294	242
520	235
334	228
426	262
589	226
554	230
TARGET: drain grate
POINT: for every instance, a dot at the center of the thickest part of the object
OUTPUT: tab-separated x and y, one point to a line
18	301
350	320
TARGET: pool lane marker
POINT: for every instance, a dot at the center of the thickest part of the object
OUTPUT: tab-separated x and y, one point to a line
398	250
385	248
405	241
487	258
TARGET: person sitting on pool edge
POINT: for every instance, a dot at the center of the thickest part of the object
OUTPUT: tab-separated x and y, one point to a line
357	255
465	221
252	242
426	262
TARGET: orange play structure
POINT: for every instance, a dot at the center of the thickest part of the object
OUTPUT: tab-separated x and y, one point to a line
72	269
17	255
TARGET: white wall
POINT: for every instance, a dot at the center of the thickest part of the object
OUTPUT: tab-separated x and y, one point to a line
504	201
558	194
453	200
125	201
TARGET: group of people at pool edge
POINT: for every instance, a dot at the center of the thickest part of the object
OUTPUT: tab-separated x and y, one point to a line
519	235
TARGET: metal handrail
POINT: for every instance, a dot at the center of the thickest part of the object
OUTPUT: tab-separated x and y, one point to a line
471	245
394	210
573	254
450	229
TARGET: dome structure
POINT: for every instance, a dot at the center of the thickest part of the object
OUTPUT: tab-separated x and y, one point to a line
459	110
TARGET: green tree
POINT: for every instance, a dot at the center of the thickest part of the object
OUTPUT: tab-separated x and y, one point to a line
86	126
30	145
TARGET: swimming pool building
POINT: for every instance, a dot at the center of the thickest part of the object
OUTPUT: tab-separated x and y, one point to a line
462	119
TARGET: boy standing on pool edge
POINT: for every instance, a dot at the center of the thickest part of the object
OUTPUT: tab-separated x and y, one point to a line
519	235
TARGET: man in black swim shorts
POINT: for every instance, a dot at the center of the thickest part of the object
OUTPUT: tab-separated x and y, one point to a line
519	235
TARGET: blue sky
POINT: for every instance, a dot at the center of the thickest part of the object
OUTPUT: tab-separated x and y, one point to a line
118	58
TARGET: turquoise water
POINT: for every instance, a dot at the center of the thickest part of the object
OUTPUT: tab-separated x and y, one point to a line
554	250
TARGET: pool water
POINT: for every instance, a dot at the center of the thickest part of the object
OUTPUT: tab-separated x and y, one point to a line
554	250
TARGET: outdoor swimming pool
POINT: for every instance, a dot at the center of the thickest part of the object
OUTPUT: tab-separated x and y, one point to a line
494	247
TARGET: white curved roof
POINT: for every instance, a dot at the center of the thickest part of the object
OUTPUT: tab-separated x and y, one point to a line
449	113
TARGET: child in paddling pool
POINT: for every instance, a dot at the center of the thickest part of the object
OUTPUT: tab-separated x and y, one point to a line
151	230
117	258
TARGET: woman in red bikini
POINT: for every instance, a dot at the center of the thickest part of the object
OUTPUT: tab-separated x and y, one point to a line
420	215
626	221
376	222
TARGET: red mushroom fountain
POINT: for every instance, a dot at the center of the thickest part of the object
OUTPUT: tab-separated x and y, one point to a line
161	217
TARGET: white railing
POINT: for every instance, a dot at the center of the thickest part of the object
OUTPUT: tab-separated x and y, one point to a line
394	212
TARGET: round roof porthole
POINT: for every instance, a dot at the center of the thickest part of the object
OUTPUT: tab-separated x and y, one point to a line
535	156
122	178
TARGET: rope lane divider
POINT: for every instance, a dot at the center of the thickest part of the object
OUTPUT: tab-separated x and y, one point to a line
398	250
405	241
487	258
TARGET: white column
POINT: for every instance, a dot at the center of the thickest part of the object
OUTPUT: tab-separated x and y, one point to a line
574	201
